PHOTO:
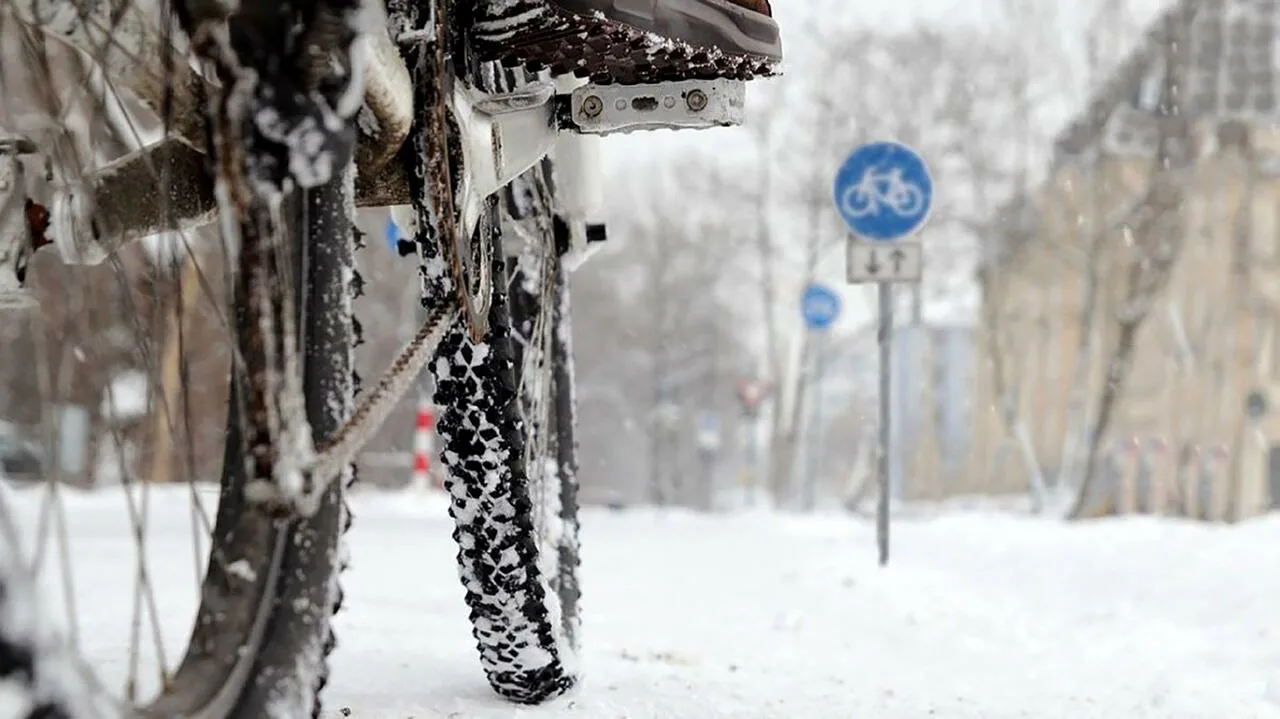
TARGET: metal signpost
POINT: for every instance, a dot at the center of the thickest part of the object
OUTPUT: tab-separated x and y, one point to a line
820	306
708	440
883	192
751	392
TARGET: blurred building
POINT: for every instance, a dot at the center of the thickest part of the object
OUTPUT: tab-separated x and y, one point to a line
932	438
1196	428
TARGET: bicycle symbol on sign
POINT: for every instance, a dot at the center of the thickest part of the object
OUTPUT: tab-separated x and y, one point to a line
887	189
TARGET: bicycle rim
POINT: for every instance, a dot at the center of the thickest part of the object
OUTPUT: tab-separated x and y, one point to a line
538	294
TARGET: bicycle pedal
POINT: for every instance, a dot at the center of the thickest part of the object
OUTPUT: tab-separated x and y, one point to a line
675	105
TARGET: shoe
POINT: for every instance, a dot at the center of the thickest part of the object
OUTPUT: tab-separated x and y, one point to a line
631	41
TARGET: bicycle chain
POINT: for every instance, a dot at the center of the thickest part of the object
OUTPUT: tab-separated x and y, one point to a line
380	401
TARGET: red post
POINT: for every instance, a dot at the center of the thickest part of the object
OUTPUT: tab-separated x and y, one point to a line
423	440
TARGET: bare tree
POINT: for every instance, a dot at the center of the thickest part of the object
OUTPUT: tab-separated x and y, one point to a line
1085	251
659	315
1154	231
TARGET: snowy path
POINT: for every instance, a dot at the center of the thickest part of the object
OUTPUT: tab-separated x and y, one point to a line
979	616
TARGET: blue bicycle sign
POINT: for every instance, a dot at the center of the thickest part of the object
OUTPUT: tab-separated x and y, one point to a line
820	307
883	191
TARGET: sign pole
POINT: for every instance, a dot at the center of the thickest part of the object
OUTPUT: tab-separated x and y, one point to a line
820	307
883	192
813	455
886	370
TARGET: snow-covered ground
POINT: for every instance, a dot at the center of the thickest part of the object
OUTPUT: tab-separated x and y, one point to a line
979	615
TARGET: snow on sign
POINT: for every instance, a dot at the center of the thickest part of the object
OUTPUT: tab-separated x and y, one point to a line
883	191
820	307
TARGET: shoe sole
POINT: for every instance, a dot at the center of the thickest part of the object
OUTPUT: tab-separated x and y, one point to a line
631	41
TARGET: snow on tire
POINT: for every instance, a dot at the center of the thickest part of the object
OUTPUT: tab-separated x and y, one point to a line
514	616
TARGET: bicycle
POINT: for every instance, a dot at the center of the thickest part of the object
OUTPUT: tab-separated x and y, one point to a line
264	136
899	196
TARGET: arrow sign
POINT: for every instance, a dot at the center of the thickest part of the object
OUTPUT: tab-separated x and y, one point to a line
869	262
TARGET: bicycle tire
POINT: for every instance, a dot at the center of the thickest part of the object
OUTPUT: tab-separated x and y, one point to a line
288	664
915	201
565	440
482	429
281	662
857	209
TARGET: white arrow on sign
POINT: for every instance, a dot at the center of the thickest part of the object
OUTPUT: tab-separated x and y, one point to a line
900	262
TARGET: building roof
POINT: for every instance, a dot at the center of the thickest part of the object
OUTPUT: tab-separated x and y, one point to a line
1233	75
1233	67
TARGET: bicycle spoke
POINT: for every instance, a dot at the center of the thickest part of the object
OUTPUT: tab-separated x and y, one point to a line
64	556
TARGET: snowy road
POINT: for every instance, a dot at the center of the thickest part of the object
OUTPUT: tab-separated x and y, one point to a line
979	616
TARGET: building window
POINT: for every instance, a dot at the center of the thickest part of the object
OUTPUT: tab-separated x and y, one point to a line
1146	96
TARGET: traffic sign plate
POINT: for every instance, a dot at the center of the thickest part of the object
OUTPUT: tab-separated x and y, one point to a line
708	431
900	262
820	307
883	191
751	392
